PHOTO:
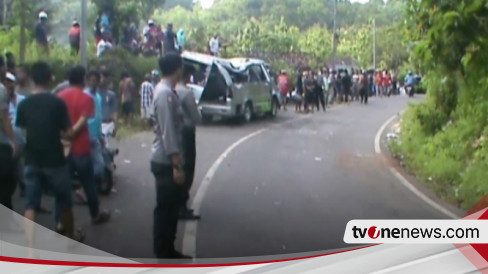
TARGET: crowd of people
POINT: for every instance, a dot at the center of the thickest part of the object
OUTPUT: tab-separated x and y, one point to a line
317	90
50	138
153	40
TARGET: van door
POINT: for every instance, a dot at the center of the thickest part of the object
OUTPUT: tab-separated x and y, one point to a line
216	87
259	87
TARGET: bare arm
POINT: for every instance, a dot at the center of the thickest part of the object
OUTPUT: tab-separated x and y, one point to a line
7	125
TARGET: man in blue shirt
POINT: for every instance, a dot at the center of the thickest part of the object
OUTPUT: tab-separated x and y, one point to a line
410	82
95	123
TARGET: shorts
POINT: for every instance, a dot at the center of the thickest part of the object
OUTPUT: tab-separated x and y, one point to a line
128	108
58	180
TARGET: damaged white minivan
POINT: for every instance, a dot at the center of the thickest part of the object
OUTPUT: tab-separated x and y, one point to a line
233	88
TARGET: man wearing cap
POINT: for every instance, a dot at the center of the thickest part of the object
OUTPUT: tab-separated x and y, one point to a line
41	34
75	38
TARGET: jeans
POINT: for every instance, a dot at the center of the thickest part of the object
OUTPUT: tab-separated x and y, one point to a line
97	157
7	175
168	201
82	168
57	180
189	155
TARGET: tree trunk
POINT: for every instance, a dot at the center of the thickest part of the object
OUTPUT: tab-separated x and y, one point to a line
23	38
5	11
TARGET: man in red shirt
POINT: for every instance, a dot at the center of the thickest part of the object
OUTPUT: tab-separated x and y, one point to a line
75	38
387	82
378	80
284	84
81	107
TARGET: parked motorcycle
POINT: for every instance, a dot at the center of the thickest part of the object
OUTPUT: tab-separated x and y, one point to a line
410	91
106	183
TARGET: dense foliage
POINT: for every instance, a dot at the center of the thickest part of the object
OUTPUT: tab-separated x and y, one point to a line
445	138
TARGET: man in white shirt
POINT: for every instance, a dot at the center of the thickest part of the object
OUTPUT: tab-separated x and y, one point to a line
214	46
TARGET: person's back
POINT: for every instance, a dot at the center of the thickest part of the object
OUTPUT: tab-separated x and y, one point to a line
169	40
191	113
346	82
410	80
41	34
79	105
43	117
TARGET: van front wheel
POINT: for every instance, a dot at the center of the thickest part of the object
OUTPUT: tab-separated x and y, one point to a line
247	115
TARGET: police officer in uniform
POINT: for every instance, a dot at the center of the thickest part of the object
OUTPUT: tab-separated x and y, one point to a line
167	158
192	117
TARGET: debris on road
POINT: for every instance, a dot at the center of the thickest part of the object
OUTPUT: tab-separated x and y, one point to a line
127	162
318	159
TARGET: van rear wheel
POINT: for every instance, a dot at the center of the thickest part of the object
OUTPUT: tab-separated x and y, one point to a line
274	108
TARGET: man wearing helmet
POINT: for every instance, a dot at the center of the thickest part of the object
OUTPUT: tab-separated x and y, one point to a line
147	31
41	35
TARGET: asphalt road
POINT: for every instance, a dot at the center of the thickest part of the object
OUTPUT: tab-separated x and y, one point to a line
291	188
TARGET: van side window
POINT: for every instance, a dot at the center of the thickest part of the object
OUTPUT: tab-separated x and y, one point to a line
254	74
262	74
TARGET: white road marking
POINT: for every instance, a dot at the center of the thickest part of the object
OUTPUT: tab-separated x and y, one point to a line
191	228
377	139
404	181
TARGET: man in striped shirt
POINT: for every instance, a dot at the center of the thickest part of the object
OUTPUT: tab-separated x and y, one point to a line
147	90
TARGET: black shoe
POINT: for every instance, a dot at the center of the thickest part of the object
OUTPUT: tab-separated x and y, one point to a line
188	214
102	217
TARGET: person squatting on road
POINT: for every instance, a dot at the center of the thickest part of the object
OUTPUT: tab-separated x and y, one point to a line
191	117
167	158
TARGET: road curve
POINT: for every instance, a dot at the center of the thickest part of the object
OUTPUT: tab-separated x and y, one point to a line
291	188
